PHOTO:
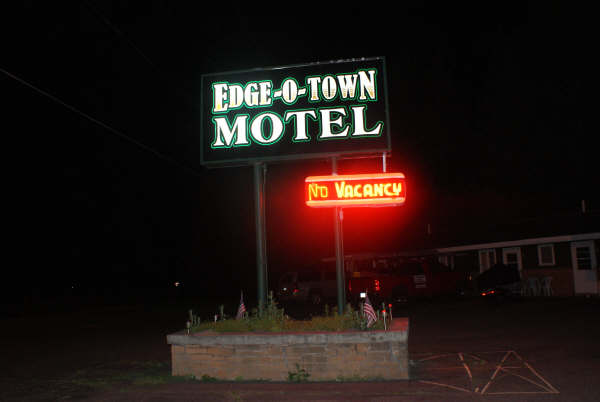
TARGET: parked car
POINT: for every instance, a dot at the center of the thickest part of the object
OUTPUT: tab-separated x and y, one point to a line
499	281
314	286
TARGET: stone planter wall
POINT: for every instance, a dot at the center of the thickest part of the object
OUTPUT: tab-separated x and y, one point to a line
271	356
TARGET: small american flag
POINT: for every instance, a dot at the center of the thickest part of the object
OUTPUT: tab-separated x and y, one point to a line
369	312
241	308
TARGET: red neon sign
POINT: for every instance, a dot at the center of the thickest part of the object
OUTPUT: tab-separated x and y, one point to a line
355	190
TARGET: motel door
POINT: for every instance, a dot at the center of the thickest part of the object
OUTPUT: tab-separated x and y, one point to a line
585	274
511	257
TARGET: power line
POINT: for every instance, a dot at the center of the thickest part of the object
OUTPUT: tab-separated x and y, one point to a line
100	123
117	31
147	59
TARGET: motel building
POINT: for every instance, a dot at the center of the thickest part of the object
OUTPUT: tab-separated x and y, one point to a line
555	256
339	109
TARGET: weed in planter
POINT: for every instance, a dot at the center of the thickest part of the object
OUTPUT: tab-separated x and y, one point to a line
273	319
207	378
300	375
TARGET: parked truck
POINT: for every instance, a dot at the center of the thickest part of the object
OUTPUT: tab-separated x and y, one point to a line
397	279
309	285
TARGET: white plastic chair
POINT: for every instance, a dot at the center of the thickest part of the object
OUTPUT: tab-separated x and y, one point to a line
533	286
523	287
547	286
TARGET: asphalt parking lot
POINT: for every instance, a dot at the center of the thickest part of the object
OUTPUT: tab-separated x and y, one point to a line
530	349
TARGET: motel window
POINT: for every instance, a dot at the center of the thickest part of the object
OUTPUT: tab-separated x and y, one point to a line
447	260
584	257
546	254
487	258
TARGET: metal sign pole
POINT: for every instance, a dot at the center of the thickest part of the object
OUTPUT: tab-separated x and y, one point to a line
339	259
264	236
259	220
339	249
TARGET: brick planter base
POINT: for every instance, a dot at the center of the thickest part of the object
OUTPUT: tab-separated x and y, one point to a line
271	356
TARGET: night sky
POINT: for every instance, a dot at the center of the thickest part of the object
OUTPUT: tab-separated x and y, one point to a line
486	108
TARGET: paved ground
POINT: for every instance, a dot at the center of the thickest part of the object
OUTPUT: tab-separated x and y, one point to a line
529	350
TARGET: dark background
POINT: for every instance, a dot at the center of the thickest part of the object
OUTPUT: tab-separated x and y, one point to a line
106	193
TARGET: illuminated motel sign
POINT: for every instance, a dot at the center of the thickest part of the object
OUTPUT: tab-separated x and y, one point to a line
317	111
294	112
356	190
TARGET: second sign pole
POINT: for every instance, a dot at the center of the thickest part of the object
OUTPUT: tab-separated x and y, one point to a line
338	217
